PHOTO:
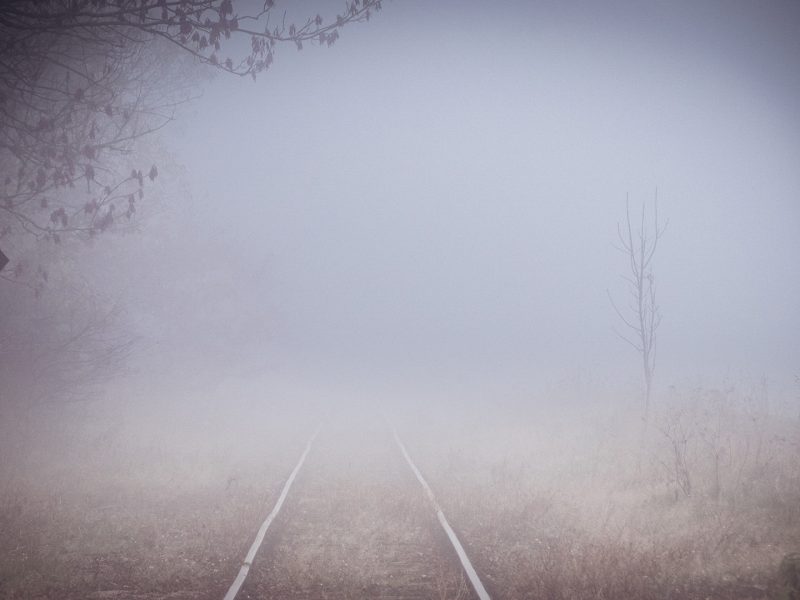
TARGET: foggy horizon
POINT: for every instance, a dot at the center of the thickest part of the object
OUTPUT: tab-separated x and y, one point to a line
460	300
377	249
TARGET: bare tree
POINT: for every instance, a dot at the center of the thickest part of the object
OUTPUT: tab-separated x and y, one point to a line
641	315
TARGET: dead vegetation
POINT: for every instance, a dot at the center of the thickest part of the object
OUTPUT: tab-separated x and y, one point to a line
116	514
356	525
555	506
548	504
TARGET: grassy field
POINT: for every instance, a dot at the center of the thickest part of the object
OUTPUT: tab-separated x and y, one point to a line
356	525
127	513
570	503
576	505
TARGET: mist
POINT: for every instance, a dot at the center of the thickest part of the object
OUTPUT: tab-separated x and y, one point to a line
415	203
412	242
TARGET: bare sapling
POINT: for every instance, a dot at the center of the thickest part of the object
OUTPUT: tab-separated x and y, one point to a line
641	315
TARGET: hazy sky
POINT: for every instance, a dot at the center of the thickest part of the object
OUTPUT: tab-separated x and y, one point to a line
437	195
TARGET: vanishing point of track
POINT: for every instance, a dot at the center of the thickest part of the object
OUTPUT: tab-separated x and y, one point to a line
455	546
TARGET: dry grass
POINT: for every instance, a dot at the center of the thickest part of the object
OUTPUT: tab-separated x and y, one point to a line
357	526
175	520
547	505
555	506
111	513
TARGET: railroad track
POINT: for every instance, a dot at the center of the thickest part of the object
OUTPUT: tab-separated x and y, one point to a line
356	518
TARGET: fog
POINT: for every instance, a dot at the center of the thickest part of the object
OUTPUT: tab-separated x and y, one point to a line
412	242
436	198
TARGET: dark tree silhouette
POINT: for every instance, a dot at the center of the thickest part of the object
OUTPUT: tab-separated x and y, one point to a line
82	80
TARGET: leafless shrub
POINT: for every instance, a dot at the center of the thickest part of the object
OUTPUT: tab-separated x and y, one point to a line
722	444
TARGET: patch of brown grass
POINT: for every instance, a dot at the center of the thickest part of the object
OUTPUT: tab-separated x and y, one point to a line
550	509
